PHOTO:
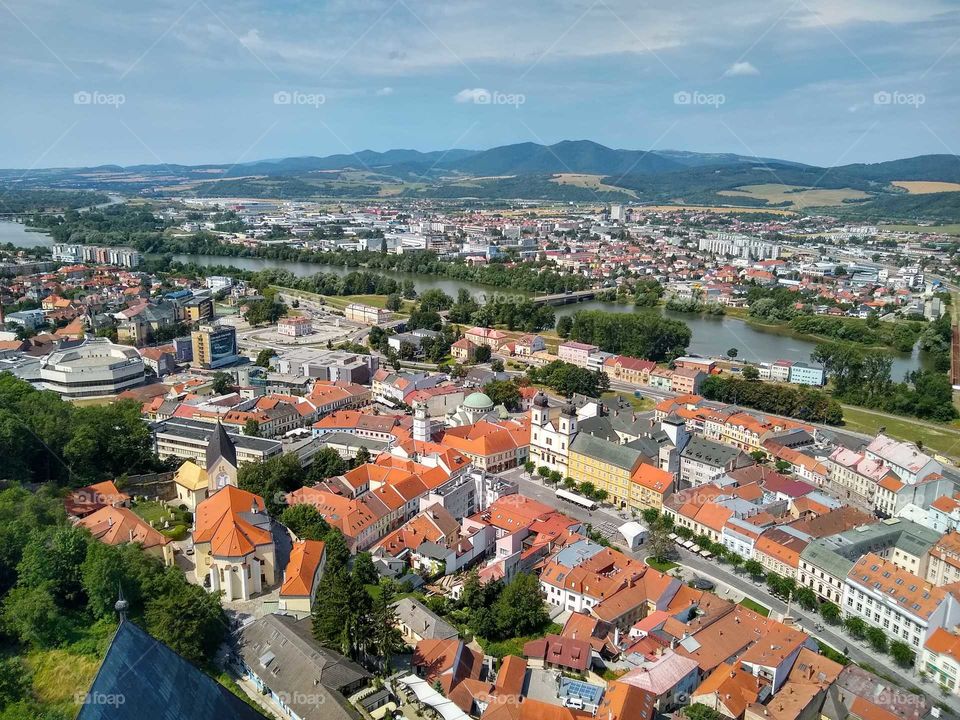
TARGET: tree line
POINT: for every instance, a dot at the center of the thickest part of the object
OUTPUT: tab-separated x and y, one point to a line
803	403
644	335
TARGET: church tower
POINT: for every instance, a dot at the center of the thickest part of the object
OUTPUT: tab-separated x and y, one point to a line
221	461
421	423
540	411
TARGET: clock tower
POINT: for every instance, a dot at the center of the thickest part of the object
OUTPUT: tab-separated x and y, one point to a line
221	461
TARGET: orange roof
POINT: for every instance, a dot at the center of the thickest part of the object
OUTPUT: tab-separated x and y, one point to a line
220	522
305	558
943	642
118	525
652	478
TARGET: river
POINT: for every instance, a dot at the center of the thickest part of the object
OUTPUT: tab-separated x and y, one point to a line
712	335
18	234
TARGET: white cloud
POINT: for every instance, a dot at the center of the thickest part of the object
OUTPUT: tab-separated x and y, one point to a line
472	95
741	68
384	92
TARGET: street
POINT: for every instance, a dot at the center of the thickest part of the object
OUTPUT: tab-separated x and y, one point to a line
860	652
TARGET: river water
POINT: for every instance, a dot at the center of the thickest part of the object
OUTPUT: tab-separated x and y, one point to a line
712	336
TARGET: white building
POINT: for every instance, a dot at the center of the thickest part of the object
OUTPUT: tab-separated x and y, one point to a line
550	439
909	463
95	368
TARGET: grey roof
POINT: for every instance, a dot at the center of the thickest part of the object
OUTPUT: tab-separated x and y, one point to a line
282	652
156	683
201	431
836	554
423	621
599	426
220	446
621	456
709	452
348	439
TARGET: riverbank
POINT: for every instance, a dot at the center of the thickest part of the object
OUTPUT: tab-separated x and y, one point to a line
940	438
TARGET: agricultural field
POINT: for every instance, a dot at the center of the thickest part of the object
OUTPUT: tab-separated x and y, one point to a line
593	182
953	229
924	187
797	196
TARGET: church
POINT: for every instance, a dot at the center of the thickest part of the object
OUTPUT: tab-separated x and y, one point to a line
233	540
550	436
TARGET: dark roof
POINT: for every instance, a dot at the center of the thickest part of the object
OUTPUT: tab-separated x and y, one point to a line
221	446
283	653
156	683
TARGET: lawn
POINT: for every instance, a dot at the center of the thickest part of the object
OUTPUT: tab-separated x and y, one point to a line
157	514
942	438
755	606
639	404
665	566
952	229
514	646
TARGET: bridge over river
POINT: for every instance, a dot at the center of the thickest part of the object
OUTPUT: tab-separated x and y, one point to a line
565	298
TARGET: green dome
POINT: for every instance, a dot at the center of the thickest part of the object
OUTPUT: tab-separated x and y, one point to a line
478	401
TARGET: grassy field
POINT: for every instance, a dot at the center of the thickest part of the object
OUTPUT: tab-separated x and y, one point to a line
339	302
591	182
755	606
797	196
514	646
942	439
718	209
663	567
61	678
639	404
953	229
924	187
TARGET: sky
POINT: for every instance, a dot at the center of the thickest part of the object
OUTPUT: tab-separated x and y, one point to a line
826	82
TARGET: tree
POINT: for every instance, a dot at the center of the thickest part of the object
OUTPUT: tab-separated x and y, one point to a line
222	383
482	354
830	612
564	325
394	302
732	352
496	365
271	479
386	638
735	560
877	639
856	627
586	488
699	711
543	471
338	554
503	392
782	466
305	521
661	546
753	568
364	570
750	372
32	615
251	427
187	618
327	463
520	610
529	467
363	456
806	598
263	357
902	654
341	612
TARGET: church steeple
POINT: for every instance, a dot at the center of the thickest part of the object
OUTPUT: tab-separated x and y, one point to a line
221	459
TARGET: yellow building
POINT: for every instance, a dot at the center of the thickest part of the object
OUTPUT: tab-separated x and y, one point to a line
608	465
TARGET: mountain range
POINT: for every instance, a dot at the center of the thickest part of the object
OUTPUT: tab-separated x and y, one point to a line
571	170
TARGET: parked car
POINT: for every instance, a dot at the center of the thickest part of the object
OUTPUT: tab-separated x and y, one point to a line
700	583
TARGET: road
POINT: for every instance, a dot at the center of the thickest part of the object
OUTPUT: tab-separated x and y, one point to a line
603	519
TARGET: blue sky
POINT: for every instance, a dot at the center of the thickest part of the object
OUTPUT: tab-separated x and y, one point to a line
193	81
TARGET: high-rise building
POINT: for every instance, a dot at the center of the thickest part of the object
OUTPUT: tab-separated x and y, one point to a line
214	346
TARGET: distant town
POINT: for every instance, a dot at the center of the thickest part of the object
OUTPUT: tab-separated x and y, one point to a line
418	459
